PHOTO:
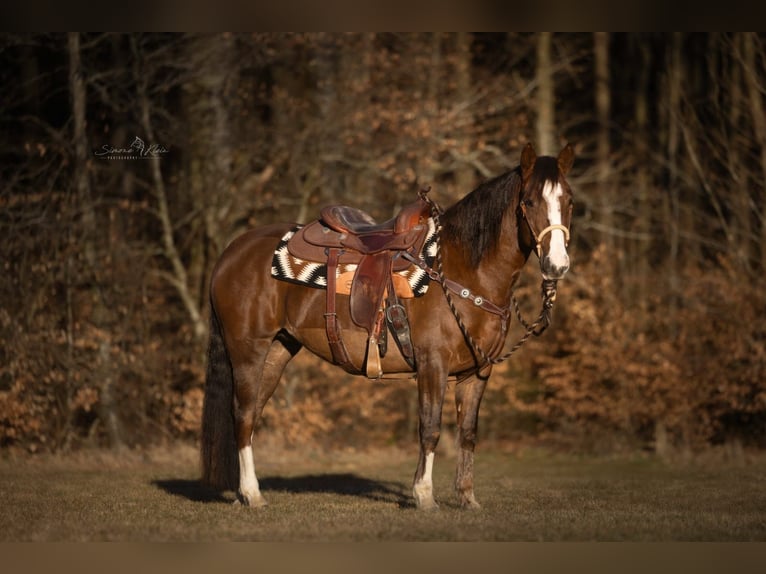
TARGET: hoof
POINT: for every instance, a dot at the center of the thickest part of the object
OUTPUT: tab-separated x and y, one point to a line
256	502
427	505
424	496
469	502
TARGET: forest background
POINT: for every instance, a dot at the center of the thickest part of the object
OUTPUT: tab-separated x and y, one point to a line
659	333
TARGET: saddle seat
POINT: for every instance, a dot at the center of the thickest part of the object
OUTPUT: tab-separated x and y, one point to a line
363	234
347	219
356	234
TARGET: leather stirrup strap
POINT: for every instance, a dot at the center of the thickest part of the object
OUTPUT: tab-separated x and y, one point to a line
338	349
396	317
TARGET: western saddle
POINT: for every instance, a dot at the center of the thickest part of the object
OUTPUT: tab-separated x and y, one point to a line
346	235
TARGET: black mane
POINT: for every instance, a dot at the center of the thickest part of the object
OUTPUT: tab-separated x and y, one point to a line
474	222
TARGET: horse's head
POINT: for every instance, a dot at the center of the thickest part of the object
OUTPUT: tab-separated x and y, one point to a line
546	206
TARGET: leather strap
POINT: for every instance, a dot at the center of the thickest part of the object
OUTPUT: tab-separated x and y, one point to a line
458	289
338	349
396	317
477	300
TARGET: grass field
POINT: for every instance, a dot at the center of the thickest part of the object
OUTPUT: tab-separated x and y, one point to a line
348	496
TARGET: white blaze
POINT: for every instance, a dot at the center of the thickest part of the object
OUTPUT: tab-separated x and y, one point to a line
557	253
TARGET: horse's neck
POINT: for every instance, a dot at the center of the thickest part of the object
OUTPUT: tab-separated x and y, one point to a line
505	263
495	275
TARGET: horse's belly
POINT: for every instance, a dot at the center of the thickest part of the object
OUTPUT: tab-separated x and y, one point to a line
355	342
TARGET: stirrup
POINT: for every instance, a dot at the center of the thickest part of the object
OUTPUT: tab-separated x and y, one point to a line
374	368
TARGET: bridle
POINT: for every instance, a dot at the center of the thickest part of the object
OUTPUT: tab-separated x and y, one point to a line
536	328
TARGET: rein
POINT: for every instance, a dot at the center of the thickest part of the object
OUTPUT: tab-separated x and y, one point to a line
536	328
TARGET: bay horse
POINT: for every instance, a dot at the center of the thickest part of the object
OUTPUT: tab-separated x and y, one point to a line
259	323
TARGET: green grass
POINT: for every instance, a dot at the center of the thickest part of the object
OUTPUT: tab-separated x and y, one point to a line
366	497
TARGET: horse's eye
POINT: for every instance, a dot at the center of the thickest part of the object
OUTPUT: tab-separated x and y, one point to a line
528	202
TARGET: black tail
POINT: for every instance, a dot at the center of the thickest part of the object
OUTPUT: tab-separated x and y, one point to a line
220	465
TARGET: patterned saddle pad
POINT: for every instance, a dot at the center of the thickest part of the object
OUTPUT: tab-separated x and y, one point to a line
285	267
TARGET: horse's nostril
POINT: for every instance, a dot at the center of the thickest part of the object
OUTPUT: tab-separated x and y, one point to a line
553	270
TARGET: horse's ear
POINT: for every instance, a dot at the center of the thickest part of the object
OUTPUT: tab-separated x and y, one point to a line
528	158
566	159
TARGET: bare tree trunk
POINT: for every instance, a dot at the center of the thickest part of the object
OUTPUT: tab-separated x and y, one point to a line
544	126
464	178
80	138
293	139
643	180
432	89
101	313
755	91
435	72
327	96
671	208
178	278
210	101
742	229
603	146
674	80
30	80
353	81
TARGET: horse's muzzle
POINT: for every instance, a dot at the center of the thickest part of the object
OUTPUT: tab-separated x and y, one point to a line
554	269
555	263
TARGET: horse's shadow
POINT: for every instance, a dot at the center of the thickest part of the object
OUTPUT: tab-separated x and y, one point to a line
344	484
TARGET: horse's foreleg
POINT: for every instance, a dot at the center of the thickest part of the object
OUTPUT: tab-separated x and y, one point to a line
467	400
432	384
255	383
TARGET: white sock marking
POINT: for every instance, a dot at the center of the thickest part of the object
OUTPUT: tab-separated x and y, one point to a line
248	483
424	488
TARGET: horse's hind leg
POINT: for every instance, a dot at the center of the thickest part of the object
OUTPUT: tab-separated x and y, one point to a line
255	380
467	400
432	384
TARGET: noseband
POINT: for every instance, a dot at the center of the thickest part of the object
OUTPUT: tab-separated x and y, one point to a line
547	230
540	236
